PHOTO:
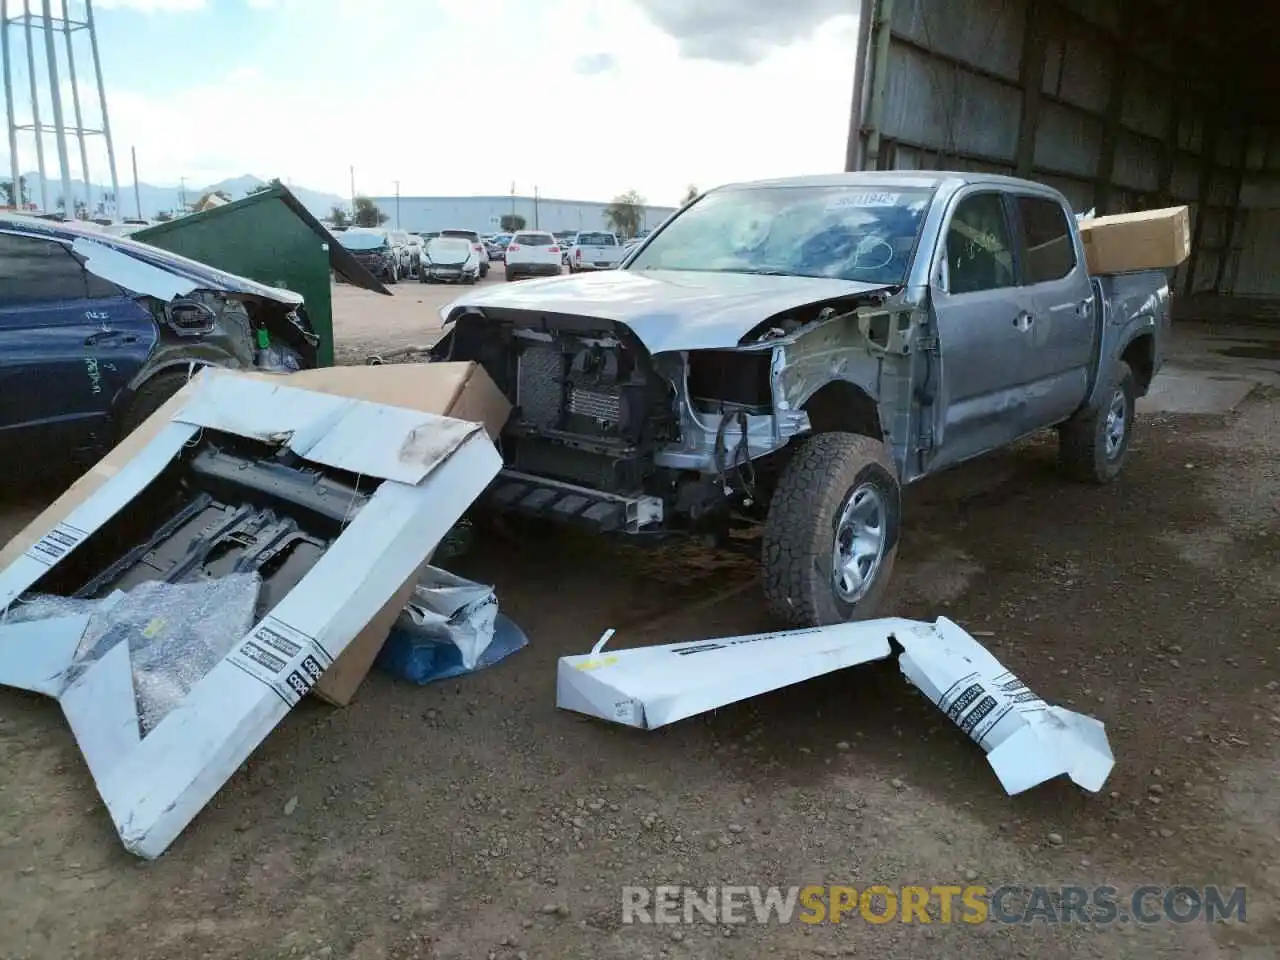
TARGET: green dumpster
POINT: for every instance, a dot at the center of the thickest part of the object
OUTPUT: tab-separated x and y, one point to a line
272	238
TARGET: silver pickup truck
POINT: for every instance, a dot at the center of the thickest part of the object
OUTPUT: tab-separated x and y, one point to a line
791	353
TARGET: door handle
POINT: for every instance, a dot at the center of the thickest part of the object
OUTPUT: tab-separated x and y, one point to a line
99	336
1023	321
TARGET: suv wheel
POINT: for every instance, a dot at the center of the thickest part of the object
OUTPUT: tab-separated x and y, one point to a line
150	397
831	537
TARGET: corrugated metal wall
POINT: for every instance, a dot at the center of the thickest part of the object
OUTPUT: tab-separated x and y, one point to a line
1083	95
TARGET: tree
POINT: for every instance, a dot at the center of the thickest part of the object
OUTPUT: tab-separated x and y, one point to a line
6	188
626	213
338	217
690	195
367	213
164	216
263	187
511	222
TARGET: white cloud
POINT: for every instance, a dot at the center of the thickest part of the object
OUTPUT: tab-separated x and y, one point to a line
150	6
465	101
741	31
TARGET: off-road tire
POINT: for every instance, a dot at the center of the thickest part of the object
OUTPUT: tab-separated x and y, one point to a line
799	532
484	270
1082	440
150	397
511	275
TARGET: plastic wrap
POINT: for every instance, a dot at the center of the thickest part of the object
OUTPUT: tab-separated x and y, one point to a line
448	609
449	628
177	633
42	606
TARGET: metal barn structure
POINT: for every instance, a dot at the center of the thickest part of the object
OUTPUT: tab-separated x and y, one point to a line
44	75
1121	104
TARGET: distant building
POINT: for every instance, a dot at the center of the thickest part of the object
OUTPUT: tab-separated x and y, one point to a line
484	214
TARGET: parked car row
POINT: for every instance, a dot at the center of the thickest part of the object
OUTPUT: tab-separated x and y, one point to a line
395	255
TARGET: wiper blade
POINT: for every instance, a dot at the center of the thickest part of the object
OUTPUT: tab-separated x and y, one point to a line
763	271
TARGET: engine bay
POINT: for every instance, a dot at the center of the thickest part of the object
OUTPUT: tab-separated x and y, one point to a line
589	405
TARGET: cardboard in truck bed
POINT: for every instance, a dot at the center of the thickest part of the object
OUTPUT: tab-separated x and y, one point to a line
155	780
1148	240
458	390
1026	740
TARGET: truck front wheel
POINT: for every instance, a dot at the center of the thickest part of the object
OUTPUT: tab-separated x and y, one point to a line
831	536
1093	445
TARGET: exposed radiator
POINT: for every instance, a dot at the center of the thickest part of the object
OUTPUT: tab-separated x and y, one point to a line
540	384
598	405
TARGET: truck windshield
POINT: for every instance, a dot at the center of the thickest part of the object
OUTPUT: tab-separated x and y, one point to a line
596	240
850	232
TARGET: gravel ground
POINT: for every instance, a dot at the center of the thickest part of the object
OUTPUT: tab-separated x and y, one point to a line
471	819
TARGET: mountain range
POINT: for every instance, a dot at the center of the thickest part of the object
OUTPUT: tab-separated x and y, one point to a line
154	199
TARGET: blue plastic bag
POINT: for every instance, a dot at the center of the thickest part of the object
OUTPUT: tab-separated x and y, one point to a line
421	658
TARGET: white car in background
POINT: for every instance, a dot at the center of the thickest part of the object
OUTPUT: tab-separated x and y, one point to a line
416	247
476	243
533	253
449	260
594	251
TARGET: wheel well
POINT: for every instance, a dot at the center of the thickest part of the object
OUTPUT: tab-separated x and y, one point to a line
1140	355
841	406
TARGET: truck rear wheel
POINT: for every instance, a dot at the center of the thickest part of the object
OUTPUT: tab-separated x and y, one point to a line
831	536
1094	444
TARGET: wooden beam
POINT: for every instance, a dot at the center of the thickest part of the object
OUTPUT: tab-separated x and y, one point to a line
1111	125
1031	79
1233	214
1208	160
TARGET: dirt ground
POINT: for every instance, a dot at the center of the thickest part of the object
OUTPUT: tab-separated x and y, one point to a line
368	324
471	819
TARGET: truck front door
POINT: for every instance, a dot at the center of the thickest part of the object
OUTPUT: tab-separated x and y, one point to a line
1063	338
982	315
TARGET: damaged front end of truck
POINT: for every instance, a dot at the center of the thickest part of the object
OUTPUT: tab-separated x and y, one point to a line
670	417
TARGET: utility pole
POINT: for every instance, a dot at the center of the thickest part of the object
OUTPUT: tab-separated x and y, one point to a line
397	183
55	99
35	107
182	194
102	105
137	194
353	195
8	104
535	206
75	103
513	198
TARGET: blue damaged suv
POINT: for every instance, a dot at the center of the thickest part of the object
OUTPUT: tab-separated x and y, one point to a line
97	332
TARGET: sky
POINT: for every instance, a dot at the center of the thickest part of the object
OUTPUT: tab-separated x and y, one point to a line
583	99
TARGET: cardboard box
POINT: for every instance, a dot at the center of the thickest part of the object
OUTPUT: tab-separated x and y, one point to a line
1150	240
156	776
459	390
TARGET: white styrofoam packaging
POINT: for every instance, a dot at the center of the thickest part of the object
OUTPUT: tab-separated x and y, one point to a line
1026	740
432	468
649	687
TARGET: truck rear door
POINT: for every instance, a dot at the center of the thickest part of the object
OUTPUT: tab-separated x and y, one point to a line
981	314
1063	333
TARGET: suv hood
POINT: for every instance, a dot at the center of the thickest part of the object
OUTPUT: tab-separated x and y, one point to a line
668	309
